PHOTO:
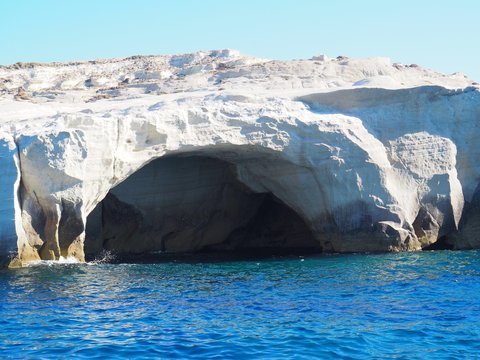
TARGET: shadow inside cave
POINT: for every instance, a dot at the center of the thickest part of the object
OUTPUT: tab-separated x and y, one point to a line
193	208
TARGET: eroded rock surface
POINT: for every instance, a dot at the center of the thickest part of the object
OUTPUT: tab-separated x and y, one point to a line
215	150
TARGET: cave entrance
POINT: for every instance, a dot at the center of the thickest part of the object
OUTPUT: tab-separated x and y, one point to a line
193	205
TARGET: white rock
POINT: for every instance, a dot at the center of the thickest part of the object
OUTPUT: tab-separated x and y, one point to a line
321	57
371	157
10	222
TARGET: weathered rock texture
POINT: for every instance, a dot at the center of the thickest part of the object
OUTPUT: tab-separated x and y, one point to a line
216	150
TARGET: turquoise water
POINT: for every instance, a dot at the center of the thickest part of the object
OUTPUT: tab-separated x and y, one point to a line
394	306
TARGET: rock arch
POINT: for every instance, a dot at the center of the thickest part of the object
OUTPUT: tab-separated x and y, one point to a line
335	190
353	192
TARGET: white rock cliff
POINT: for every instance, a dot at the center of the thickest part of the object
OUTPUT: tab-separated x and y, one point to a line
216	150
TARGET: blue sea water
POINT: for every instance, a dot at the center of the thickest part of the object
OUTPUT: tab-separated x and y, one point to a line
422	305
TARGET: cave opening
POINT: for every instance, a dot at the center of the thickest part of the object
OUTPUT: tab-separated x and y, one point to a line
195	206
443	243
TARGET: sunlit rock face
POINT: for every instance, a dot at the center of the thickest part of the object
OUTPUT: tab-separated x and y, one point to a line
9	211
215	151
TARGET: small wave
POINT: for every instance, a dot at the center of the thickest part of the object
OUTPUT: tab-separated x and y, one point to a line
61	261
104	258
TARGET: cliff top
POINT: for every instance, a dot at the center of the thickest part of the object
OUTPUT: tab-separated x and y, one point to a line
29	90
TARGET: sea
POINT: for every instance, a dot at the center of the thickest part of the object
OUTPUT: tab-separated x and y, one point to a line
420	305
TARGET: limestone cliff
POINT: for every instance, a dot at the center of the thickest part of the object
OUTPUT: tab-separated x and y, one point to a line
216	150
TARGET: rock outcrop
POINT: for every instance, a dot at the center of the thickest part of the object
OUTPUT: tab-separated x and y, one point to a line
219	151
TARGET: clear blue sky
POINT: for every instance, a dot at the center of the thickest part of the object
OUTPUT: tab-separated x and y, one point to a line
440	34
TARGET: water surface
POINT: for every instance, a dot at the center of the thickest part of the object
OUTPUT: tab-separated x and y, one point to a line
394	306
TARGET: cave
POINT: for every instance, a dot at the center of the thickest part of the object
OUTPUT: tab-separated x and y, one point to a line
443	243
193	205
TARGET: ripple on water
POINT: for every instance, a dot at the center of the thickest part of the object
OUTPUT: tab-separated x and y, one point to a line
420	305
